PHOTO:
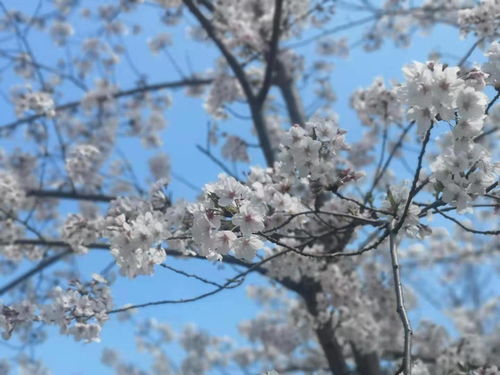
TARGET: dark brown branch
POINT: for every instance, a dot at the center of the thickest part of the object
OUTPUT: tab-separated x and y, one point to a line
217	161
33	271
398	144
366	363
290	95
325	332
231	60
272	54
189	275
414	189
56	194
475	231
255	107
490	104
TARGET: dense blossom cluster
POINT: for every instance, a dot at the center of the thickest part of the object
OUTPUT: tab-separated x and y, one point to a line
12	196
82	164
331	225
249	23
436	93
78	311
38	102
313	151
481	19
224	90
135	231
492	66
228	204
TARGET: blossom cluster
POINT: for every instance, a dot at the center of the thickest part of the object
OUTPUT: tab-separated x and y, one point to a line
60	31
159	42
395	203
235	149
492	66
228	205
435	93
82	164
313	151
79	231
482	19
12	196
377	104
135	232
249	23
224	89
36	101
78	311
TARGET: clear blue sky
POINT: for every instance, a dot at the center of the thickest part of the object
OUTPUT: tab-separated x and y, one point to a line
221	313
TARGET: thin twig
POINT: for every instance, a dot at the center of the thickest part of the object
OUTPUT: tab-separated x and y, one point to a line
189	275
217	161
464	59
475	231
238	280
401	309
414	188
490	104
379	175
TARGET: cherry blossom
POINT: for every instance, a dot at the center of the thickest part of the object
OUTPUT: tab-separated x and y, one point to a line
350	231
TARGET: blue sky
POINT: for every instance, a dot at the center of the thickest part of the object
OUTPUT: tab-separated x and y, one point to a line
221	313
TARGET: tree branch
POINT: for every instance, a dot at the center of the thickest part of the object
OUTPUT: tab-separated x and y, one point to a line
120	94
101	246
414	190
255	108
272	54
238	279
33	271
379	175
401	309
57	194
217	161
290	95
475	231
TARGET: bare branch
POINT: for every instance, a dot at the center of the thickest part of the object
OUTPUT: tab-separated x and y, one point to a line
33	271
273	51
398	144
401	309
237	280
490	104
464	59
414	189
475	231
217	161
56	194
290	95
